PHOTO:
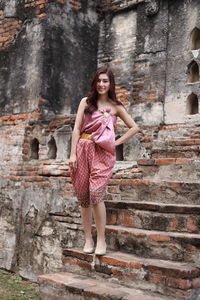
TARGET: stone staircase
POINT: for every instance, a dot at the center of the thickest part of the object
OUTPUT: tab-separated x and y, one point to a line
152	234
178	147
172	141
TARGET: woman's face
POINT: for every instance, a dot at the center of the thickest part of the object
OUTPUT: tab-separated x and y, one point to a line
103	84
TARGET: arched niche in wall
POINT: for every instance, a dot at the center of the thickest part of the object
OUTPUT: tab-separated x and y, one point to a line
34	145
52	148
195	39
192	106
193	72
119	152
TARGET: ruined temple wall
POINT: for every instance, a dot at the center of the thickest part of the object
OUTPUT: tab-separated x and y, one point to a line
43	44
183	19
143	41
117	48
153	63
133	41
39	213
156	66
45	69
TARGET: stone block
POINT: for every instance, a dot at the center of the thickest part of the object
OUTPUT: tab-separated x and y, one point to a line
143	114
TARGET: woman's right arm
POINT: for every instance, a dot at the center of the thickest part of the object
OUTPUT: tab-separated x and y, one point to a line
76	132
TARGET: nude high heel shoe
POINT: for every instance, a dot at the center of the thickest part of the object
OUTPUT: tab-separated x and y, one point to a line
88	250
101	252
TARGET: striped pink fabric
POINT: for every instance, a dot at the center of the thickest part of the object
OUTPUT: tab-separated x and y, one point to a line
94	169
101	127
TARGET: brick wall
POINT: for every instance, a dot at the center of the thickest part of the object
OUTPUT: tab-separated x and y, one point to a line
12	130
9	28
117	48
40	214
35	43
138	85
144	90
18	131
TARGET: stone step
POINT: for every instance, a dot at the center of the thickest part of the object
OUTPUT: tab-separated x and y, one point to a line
126	169
155	206
155	216
69	286
176	147
173	246
166	161
165	191
182	142
165	277
176	152
170	168
178	140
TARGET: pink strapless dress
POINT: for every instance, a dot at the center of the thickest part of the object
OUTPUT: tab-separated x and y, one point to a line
95	158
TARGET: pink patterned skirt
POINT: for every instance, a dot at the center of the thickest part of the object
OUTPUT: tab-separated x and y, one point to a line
94	169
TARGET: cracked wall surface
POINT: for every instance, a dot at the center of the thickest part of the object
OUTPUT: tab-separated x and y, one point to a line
49	49
43	44
179	56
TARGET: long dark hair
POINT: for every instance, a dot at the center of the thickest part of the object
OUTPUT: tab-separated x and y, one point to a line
93	94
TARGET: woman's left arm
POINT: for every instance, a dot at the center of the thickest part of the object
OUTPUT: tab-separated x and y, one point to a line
126	118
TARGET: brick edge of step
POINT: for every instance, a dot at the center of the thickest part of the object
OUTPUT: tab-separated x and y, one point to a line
175	246
165	277
164	161
155	235
154	206
126	260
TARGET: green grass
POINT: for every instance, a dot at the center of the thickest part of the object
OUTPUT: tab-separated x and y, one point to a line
13	287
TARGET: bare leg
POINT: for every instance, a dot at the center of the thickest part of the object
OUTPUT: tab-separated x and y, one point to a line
86	214
100	220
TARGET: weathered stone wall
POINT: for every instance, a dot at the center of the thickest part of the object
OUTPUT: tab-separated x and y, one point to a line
43	44
133	41
148	44
183	19
48	52
33	192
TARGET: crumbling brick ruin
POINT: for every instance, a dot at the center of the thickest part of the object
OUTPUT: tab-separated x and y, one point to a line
49	50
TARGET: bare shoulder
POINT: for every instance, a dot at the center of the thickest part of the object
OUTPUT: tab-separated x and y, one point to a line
114	107
120	109
83	101
82	105
123	114
80	113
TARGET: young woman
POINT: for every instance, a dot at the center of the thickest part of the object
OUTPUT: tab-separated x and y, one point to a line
93	152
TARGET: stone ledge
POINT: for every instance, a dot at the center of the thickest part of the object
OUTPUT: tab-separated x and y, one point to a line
154	234
124	165
127	260
72	285
167	277
154	216
175	246
155	206
166	161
